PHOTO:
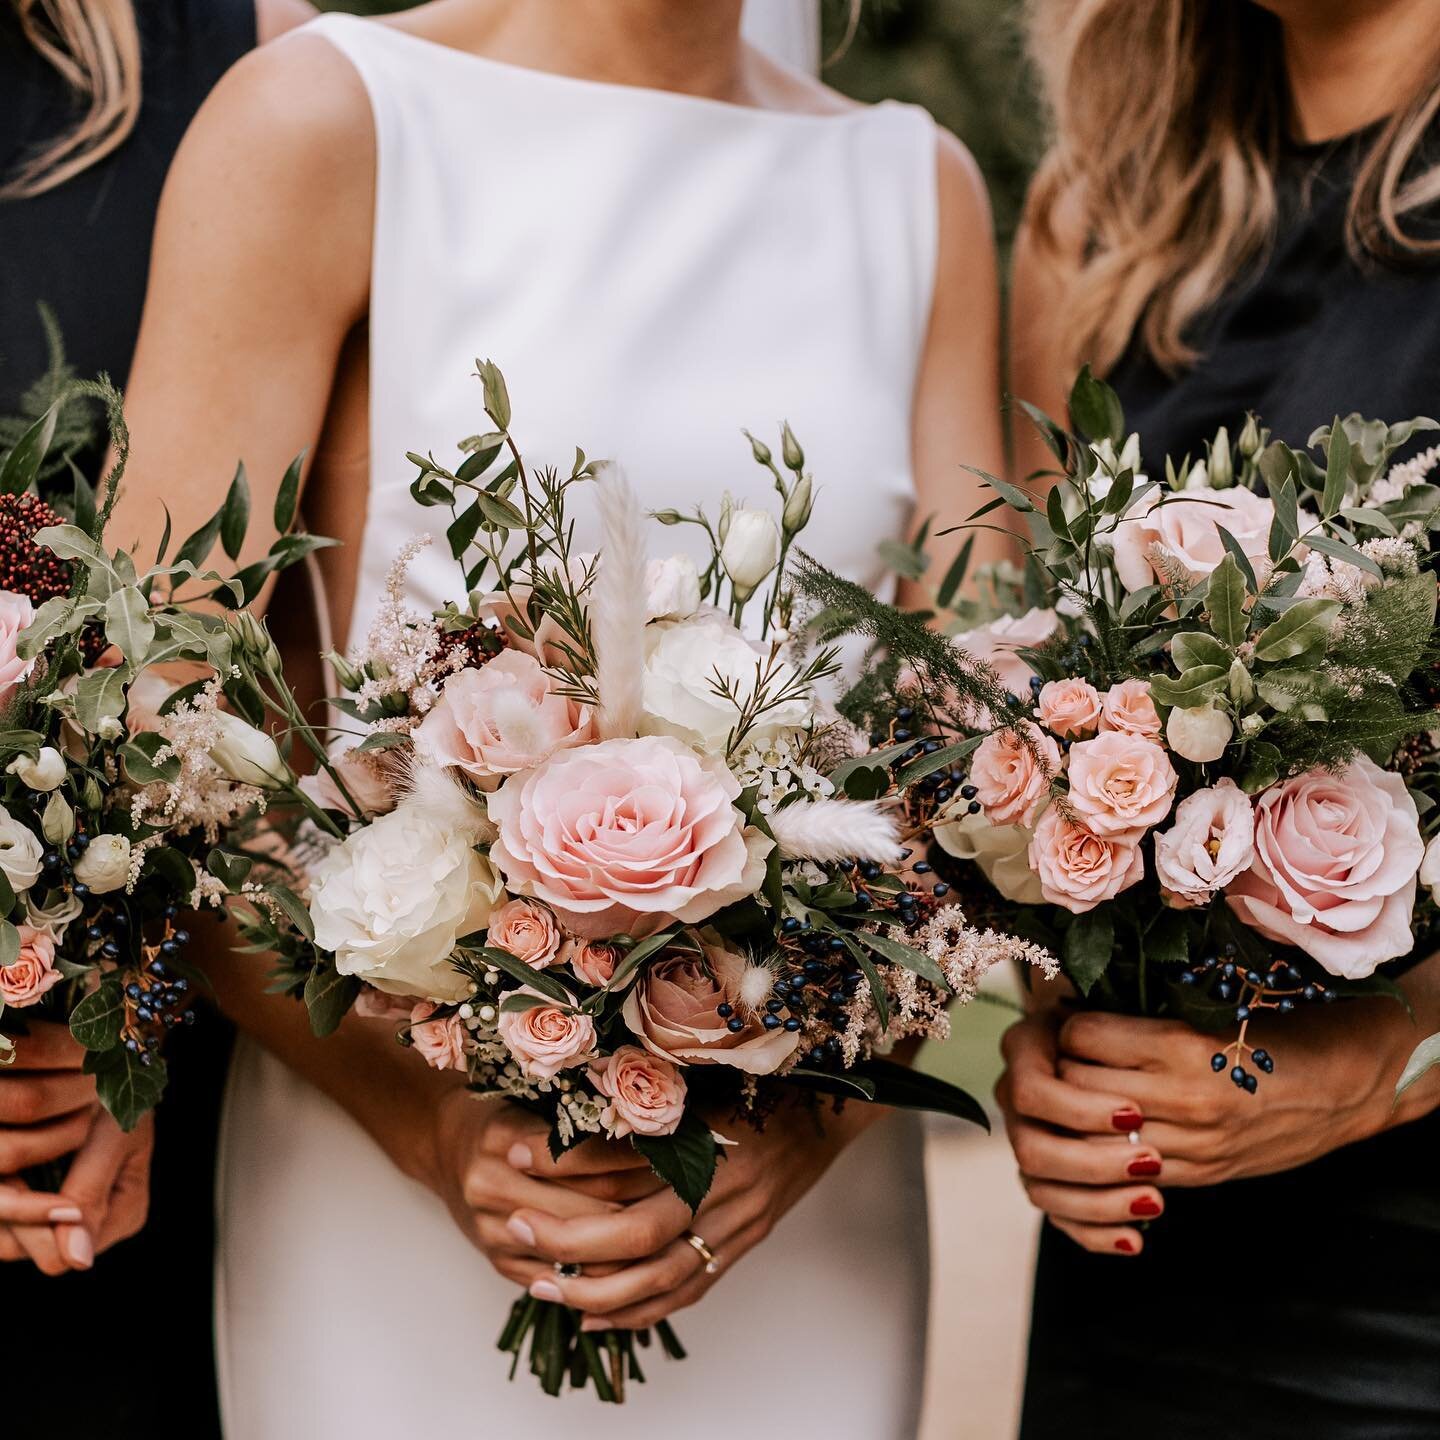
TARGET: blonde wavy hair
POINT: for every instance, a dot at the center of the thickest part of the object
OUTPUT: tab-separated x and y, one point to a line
1168	120
95	46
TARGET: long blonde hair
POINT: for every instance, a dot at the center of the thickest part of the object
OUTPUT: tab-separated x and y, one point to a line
1168	120
95	47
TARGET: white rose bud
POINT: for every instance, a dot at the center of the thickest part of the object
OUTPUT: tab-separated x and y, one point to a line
43	773
1430	869
751	549
57	824
105	864
110	728
247	755
1200	735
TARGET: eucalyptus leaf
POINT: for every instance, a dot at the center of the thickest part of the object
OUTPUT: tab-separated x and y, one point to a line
1425	1058
235	513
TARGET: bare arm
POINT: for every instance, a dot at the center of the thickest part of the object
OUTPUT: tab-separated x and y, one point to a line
957	398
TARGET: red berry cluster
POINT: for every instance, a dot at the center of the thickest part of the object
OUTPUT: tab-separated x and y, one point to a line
479	643
26	568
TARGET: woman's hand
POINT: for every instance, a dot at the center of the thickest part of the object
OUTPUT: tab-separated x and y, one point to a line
638	1266
47	1105
104	1199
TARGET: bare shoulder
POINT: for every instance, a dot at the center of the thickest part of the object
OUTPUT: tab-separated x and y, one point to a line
274	17
966	225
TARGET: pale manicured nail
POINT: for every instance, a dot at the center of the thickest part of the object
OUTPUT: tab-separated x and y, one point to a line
518	1156
547	1290
66	1215
79	1249
521	1230
594	1322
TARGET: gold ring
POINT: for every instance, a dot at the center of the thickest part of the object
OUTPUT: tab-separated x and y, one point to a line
712	1265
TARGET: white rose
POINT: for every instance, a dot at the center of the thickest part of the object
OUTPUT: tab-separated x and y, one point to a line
751	549
672	588
681	663
1201	734
43	773
105	863
1430	869
1002	853
20	852
392	900
248	756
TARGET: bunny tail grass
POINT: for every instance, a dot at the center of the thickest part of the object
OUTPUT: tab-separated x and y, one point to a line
617	605
828	830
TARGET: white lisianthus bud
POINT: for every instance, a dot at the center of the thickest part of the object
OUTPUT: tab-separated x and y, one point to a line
799	506
1222	467
1430	869
57	823
751	549
105	865
347	674
1200	735
1250	438
1241	686
254	640
790	451
667	517
1198	477
247	755
43	773
760	450
727	509
1130	456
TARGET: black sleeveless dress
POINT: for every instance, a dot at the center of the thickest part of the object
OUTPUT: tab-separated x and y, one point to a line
1302	1306
123	1350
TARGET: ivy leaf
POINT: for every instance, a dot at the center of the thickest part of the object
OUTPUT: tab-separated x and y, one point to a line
1089	943
127	1089
685	1159
328	997
97	1020
1225	599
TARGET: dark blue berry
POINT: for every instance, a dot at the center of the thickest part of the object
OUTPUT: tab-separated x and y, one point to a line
1218	1062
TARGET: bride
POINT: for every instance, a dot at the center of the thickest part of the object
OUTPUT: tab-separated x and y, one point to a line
661	235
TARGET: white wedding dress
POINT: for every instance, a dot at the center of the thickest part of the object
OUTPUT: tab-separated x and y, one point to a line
652	272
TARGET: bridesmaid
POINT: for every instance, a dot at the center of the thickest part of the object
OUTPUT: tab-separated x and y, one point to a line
83	154
1254	226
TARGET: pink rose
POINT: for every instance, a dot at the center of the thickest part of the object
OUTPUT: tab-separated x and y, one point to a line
646	1093
373	1004
440	1042
526	931
1127	707
16	613
1156	540
547	1038
999	641
1069	708
1121	785
367	779
675	1011
1012	779
1336	859
627	835
591	961
1210	843
504	717
1079	869
32	974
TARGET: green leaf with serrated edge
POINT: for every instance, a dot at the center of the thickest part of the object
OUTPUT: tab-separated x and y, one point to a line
328	997
898	953
685	1160
1197	686
97	1020
1167	938
294	909
230	869
128	625
1337	471
128	1089
9	943
1095	409
1225	600
1089	944
23	463
941	759
1425	1058
1193	647
518	970
287	498
1295	631
235	513
637	954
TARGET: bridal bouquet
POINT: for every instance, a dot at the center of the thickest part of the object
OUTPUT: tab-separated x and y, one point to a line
598	849
1211	784
113	787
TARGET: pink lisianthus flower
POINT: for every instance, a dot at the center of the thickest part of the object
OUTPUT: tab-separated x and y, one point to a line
999	642
1210	843
1336	863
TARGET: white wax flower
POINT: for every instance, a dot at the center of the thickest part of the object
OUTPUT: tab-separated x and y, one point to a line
1200	734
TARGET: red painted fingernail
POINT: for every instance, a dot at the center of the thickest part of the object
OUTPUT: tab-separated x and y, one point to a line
1125	1245
1146	1165
1127	1120
1145	1207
